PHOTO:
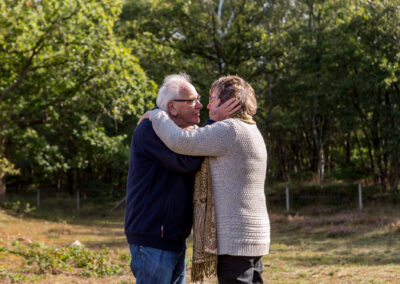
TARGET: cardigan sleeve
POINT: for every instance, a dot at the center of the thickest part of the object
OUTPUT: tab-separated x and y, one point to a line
211	140
146	142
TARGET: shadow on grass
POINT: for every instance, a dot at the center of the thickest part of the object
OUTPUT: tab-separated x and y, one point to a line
367	259
94	224
367	238
340	236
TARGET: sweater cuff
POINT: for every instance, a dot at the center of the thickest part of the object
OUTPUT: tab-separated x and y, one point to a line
156	113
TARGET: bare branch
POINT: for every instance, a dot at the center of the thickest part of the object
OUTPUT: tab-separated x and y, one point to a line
229	22
221	3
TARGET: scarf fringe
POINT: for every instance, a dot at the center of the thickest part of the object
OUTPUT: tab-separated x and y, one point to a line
204	261
204	269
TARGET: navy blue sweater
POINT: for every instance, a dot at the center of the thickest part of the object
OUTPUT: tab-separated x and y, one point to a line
159	192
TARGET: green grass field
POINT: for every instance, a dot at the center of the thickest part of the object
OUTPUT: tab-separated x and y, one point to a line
313	245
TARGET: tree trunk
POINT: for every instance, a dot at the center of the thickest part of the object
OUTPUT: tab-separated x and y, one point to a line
321	157
382	172
348	148
321	163
394	178
2	174
319	144
2	186
75	180
70	183
329	160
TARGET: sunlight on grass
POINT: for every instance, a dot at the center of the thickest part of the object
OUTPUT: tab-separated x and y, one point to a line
334	247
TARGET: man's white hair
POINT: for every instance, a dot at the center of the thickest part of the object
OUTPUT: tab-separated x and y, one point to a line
170	89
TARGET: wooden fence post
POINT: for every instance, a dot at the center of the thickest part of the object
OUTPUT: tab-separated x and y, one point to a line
360	205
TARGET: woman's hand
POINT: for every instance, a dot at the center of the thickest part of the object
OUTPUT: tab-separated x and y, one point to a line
224	111
144	116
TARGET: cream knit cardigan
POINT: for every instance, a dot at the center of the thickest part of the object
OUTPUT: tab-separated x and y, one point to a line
238	163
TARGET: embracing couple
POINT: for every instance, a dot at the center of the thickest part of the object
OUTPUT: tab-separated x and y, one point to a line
212	176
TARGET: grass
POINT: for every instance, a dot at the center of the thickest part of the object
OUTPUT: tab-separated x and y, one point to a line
335	247
312	245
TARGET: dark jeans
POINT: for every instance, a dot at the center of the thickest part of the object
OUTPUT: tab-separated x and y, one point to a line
156	266
239	269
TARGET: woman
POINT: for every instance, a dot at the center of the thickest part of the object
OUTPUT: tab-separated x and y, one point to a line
238	162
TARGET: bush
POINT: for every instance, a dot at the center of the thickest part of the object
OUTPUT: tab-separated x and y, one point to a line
42	259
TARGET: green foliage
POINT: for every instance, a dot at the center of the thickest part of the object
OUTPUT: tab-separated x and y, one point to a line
326	74
204	41
48	260
17	207
70	91
13	277
7	168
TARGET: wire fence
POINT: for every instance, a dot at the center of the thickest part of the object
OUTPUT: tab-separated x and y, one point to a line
352	196
289	198
49	199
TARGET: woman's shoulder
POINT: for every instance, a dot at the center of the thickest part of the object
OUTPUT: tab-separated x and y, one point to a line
237	123
229	122
232	125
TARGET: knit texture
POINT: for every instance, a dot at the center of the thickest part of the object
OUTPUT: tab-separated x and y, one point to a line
238	163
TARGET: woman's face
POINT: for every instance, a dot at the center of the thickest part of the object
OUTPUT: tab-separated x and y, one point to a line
212	100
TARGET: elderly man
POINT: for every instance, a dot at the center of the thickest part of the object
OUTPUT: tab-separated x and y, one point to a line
159	209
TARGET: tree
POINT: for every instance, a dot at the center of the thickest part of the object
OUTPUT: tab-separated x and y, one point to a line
326	74
66	84
370	83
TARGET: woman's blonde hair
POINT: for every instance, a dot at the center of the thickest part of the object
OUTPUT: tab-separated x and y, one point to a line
232	86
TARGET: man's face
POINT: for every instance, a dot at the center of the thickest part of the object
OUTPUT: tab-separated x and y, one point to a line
184	113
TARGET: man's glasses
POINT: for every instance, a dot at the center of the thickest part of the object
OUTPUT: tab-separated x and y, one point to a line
192	102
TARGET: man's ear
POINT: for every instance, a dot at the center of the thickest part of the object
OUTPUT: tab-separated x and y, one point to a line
171	109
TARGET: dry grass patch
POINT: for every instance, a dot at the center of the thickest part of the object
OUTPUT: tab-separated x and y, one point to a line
342	246
332	246
338	224
395	226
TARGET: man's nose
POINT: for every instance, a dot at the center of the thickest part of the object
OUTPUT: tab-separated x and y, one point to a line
199	105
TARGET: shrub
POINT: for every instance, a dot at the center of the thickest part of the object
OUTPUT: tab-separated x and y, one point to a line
43	259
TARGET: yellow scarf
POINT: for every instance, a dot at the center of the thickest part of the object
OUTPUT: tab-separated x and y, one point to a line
244	117
204	262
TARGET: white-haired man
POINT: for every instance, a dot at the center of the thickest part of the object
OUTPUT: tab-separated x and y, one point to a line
159	210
